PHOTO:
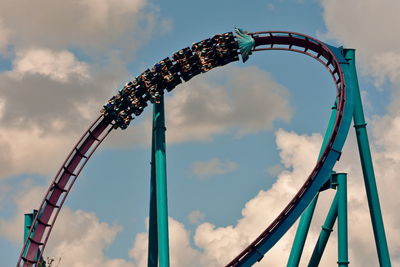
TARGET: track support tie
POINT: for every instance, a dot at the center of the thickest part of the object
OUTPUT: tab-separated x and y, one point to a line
358	126
320	49
57	186
35	242
29	261
326	186
80	153
326	229
68	171
52	204
261	256
291	41
93	136
337	151
307	42
43	223
329	60
160	128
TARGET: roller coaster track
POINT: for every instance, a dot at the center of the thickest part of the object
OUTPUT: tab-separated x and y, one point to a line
207	54
335	63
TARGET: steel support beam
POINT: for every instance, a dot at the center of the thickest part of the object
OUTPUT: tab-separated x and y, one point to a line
301	234
28	220
305	220
161	183
152	254
367	166
343	260
324	234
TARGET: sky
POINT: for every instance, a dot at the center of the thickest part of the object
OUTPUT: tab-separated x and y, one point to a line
241	139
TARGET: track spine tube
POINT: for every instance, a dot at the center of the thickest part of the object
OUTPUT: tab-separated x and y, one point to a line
367	165
326	230
343	260
306	217
161	182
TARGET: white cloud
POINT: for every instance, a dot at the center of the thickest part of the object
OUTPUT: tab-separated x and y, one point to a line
78	237
59	66
47	100
181	253
2	104
4	36
28	150
11	228
239	100
84	23
275	170
370	27
50	96
222	244
196	216
213	166
386	64
388	130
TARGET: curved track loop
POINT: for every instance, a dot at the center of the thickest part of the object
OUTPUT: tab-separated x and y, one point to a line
98	131
300	43
59	189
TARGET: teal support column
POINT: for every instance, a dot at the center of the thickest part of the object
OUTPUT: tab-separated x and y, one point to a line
343	260
28	219
161	183
301	234
367	166
152	254
305	220
325	233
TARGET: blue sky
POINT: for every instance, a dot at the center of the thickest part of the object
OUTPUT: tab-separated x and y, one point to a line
241	138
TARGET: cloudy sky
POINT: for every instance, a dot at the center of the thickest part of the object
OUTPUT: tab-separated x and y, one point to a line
241	139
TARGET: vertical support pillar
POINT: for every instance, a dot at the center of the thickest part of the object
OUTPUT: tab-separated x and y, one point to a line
325	233
305	220
343	260
152	254
367	166
301	234
28	220
160	168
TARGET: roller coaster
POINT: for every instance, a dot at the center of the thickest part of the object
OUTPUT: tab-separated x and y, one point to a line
201	57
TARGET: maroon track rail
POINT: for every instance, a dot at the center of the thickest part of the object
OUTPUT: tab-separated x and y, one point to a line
59	189
300	43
